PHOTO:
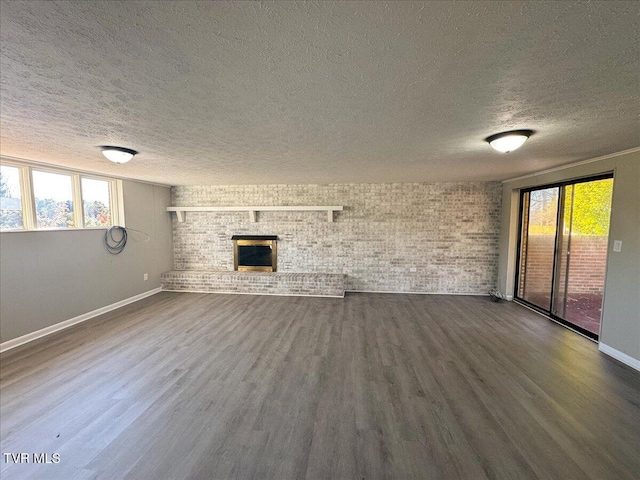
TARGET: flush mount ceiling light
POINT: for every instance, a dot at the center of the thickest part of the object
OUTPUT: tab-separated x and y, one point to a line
506	142
117	154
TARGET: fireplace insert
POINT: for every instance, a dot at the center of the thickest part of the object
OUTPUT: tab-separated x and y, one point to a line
256	253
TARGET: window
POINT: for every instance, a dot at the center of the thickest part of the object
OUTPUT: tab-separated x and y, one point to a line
10	198
35	198
96	203
54	200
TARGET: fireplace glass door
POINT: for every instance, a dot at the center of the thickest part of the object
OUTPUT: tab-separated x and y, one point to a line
257	255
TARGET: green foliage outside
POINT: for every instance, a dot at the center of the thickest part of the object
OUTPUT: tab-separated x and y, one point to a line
589	214
592	207
96	214
10	219
53	214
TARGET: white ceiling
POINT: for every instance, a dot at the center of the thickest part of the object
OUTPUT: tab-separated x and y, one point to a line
317	92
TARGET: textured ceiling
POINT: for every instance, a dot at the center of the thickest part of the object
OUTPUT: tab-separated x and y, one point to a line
317	92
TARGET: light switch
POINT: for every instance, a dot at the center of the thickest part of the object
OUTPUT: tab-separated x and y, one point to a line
617	245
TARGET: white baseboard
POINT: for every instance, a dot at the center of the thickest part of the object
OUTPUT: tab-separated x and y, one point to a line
256	293
29	337
618	355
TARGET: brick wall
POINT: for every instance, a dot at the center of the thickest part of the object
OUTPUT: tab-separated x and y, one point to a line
587	268
447	231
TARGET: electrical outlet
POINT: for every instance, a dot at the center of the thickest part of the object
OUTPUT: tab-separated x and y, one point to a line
146	277
617	245
413	269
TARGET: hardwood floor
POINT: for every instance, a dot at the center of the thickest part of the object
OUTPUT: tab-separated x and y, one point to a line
206	386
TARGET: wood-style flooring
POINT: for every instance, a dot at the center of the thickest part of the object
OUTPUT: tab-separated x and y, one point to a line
206	386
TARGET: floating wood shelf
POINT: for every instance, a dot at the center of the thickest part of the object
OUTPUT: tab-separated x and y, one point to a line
180	211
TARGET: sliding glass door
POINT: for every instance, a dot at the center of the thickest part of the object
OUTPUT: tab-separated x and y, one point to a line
563	251
539	237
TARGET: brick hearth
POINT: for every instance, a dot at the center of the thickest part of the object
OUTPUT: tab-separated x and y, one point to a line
273	283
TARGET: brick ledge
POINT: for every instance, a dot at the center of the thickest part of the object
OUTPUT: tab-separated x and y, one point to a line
260	283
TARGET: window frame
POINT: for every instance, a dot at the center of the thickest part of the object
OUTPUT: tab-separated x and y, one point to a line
74	194
29	220
25	189
113	199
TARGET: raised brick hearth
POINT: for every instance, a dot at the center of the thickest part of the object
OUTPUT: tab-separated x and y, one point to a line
274	283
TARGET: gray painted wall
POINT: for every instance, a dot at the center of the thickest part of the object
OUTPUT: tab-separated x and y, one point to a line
49	277
621	313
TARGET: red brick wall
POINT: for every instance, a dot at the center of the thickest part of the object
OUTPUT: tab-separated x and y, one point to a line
588	261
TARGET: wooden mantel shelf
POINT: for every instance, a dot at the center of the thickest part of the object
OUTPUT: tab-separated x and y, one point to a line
180	211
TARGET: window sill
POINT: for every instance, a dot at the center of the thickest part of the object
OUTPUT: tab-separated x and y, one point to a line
40	230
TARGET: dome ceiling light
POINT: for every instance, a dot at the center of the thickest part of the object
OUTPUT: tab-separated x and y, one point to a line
506	142
118	154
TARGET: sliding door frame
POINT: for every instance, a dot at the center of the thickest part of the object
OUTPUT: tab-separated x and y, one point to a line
561	200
